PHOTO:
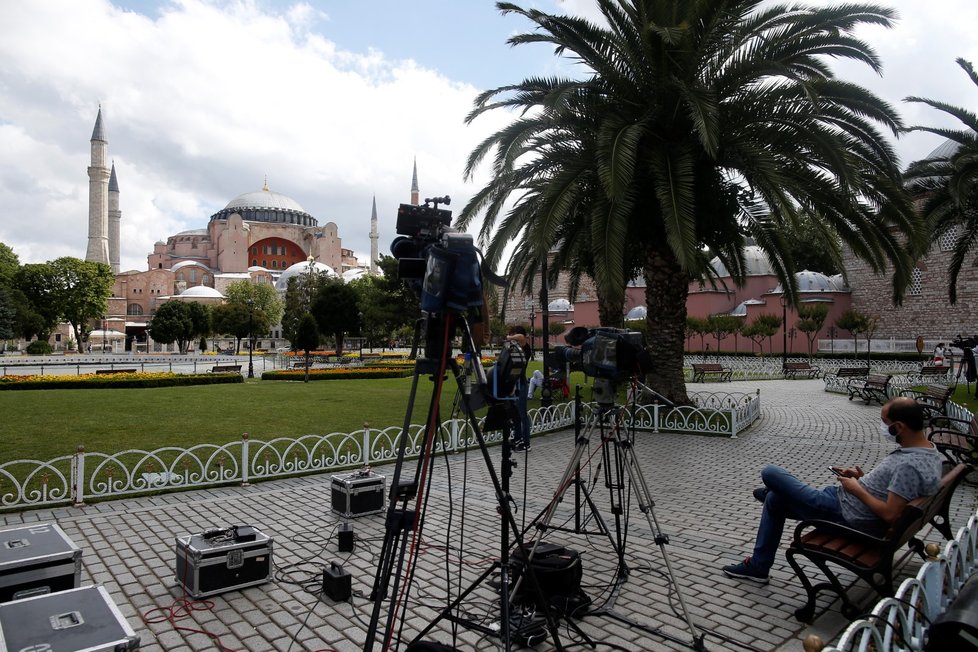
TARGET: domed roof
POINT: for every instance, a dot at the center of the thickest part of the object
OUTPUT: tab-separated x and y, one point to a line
637	313
560	305
838	283
202	291
947	149
353	273
188	263
302	268
809	281
756	263
265	199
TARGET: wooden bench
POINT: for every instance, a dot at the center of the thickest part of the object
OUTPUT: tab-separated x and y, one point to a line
226	369
876	387
700	371
792	369
957	440
852	372
99	372
929	371
870	558
933	399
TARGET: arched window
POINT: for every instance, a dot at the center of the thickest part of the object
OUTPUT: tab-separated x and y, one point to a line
134	309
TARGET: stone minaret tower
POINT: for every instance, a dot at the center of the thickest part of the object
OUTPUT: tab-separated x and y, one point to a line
414	184
115	216
374	252
98	196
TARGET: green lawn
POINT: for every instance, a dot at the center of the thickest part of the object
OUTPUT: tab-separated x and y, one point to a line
42	424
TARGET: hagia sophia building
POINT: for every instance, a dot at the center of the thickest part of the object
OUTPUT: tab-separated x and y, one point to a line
261	236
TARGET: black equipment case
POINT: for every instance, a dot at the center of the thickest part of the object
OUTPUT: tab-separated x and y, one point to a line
557	570
37	559
223	560
68	621
358	494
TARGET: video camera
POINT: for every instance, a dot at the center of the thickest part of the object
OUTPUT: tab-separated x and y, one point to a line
607	353
438	262
965	342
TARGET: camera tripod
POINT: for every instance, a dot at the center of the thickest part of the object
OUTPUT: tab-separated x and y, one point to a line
406	521
620	465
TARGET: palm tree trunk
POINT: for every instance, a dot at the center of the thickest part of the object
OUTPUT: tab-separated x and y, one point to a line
667	287
611	310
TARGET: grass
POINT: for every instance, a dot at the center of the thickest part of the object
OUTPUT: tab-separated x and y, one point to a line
43	424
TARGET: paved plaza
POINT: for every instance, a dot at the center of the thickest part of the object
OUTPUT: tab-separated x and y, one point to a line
702	492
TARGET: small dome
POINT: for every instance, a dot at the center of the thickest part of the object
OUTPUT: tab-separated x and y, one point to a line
809	281
838	283
947	149
302	268
202	291
354	273
266	206
756	263
257	268
638	313
188	263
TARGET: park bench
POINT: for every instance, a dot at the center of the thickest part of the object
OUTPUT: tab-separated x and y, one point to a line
845	376
876	387
933	399
852	372
792	369
929	372
226	369
99	372
869	557
957	441
700	371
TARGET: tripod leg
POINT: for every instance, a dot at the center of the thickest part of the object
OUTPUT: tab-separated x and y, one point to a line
646	505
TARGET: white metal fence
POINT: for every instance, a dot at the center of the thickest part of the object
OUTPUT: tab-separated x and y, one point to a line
93	475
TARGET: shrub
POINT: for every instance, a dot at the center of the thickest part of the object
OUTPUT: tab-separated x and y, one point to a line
39	347
116	381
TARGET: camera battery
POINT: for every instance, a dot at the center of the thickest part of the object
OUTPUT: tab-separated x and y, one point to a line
37	559
337	583
358	494
345	537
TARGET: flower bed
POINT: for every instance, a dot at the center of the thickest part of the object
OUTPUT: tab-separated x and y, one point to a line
115	380
341	373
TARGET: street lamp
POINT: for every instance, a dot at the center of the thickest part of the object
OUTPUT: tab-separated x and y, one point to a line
104	325
251	338
533	327
784	330
832	332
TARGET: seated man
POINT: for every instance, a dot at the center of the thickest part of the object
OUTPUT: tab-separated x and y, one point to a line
536	382
865	501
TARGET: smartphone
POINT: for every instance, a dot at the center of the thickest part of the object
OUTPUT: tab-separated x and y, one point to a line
835	470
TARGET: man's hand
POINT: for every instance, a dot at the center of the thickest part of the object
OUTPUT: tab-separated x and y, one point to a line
849	472
851	485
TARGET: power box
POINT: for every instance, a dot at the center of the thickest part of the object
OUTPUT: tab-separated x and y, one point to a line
37	559
223	560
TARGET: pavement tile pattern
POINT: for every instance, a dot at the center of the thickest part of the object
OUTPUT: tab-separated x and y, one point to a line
701	494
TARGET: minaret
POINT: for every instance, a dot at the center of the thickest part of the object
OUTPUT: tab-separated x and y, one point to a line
374	252
115	216
98	196
414	184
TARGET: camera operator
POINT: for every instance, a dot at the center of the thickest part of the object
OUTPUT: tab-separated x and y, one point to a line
521	427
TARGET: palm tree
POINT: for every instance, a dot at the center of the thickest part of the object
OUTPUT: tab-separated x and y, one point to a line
694	127
948	183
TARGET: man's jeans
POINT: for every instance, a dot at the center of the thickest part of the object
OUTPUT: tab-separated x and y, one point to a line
789	497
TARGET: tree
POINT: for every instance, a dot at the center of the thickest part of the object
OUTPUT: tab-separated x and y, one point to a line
9	264
173	322
947	185
764	325
721	326
233	319
855	323
265	301
81	289
36	284
694	127
336	310
811	318
697	326
385	301
299	293
7	317
307	338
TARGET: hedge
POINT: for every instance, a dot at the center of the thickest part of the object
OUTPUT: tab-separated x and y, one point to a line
339	374
116	381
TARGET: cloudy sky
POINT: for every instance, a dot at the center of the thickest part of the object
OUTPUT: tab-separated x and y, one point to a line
332	100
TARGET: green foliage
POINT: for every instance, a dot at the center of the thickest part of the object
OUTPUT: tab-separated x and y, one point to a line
202	344
697	126
299	293
9	264
947	186
173	323
697	326
336	310
555	328
385	302
81	289
267	307
307	338
7	314
123	381
365	373
722	326
39	347
764	326
811	318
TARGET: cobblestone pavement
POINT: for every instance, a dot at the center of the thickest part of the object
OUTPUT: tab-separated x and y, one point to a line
701	487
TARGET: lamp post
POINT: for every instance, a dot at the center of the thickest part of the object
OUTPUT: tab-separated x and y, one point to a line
533	327
103	336
791	335
546	397
784	330
251	340
832	337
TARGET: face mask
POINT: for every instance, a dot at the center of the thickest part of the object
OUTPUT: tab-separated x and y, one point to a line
885	431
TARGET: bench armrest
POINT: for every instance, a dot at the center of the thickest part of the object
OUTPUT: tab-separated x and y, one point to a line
836	529
912	393
971	439
944	422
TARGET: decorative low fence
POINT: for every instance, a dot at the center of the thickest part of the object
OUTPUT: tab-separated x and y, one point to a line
73	479
900	623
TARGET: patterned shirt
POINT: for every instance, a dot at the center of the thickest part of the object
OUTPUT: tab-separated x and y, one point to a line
907	472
